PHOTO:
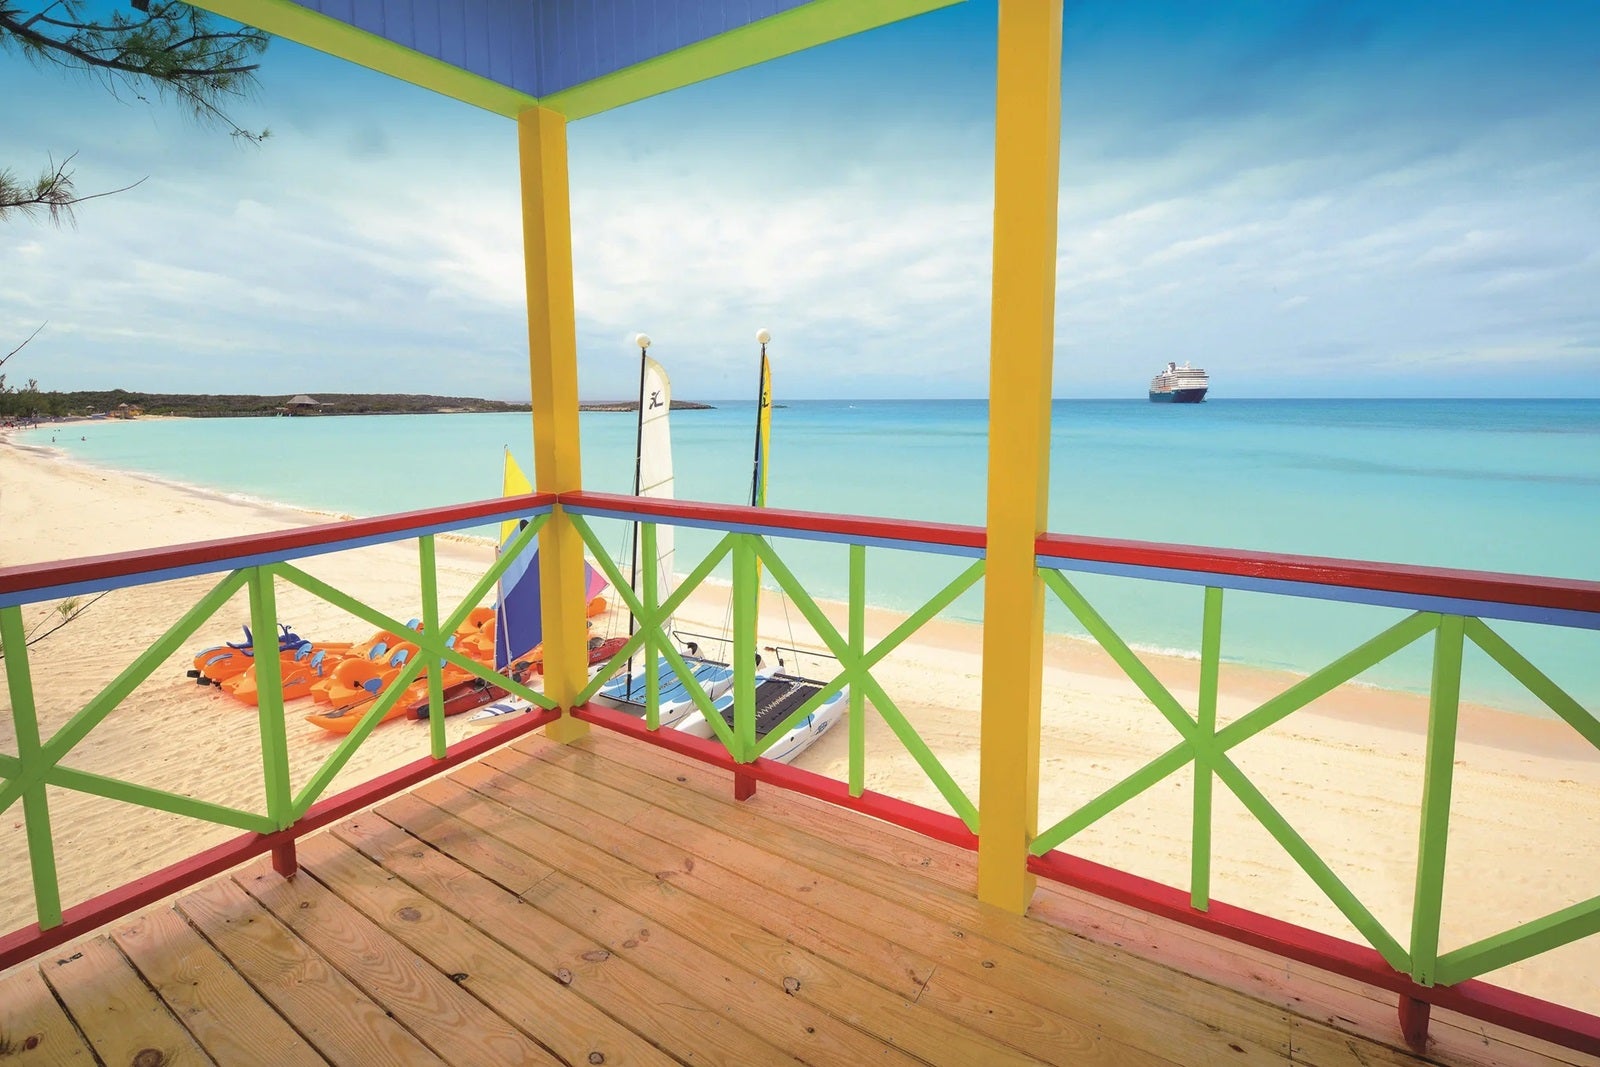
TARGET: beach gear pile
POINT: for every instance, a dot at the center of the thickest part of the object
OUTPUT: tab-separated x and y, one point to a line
344	679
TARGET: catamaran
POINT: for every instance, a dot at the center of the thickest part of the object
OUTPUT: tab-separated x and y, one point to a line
778	693
652	477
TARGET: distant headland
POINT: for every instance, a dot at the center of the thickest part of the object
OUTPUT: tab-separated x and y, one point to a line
633	405
122	403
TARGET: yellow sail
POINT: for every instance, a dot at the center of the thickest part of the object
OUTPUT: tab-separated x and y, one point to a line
758	482
514	483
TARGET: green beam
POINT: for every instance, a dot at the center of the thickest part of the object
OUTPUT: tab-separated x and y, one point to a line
791	31
159	799
1303	854
312	790
953	794
428	573
1157	770
620	585
1444	705
652	678
93	713
269	707
1541	935
746	610
35	802
1536	681
856	672
1200	832
344	601
648	619
295	22
1365	655
829	635
1119	651
858	645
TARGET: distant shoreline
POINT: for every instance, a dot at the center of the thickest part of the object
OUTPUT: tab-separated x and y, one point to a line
118	404
633	405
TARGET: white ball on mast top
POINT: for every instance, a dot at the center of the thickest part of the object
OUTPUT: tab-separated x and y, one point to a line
642	340
763	335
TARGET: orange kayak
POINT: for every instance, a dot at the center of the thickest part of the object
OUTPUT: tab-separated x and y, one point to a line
300	670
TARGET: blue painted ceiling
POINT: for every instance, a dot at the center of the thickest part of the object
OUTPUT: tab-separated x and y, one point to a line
541	47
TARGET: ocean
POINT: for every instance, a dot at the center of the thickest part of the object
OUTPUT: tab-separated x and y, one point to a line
1497	485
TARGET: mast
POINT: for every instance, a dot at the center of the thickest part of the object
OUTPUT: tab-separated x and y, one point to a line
758	477
758	481
643	341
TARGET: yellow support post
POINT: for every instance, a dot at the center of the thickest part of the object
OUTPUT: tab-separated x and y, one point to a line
1026	182
553	378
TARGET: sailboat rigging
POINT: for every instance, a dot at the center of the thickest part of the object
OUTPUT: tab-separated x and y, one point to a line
778	693
653	477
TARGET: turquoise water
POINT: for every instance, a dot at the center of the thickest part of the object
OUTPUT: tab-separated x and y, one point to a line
1489	485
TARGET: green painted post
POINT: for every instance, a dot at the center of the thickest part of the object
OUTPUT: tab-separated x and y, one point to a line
269	690
429	569
1438	776
652	636
1204	743
35	806
858	647
745	604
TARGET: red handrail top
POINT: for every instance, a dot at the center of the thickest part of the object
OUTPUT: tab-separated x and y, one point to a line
1570	594
20	579
862	526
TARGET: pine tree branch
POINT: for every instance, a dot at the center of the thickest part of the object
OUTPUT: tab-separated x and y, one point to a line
24	344
53	192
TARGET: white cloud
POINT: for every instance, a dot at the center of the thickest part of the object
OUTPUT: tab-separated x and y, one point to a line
382	249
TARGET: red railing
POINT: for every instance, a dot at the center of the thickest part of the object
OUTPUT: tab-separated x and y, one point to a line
1569	602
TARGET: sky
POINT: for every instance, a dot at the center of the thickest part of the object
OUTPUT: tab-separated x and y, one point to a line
1305	198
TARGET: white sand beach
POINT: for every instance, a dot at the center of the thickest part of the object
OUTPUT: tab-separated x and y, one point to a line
1346	772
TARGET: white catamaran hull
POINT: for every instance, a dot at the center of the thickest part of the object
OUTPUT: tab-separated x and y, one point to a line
792	743
675	702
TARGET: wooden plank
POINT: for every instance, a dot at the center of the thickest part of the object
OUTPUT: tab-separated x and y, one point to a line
841	936
34	1030
980	977
229	1019
340	1021
445	1017
123	1019
803	974
788	1023
1345	1005
642	1001
535	1001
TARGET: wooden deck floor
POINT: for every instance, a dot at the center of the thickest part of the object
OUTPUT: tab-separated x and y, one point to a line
609	903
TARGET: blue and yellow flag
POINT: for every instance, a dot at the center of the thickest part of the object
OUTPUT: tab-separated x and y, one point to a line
758	484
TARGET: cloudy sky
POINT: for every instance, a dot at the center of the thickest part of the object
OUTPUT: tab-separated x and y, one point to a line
1308	199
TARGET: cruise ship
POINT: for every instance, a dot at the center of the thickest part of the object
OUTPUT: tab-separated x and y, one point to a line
1179	385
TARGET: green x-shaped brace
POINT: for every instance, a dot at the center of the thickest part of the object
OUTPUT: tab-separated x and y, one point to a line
650	620
41	766
857	671
431	649
1210	751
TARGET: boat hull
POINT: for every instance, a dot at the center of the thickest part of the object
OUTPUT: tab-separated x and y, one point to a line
1179	396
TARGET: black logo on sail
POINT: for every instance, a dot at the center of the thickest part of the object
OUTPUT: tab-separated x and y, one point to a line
655	399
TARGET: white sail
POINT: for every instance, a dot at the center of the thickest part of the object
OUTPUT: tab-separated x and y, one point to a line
655	463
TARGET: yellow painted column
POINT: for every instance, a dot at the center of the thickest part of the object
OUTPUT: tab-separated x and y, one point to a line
1026	182
553	379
